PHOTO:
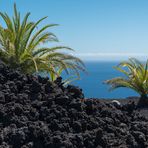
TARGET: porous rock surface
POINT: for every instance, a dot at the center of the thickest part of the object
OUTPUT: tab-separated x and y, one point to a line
36	113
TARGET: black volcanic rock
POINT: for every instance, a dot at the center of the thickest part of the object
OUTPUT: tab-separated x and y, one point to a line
37	113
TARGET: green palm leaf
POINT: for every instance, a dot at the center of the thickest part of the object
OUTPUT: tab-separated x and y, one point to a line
136	76
22	45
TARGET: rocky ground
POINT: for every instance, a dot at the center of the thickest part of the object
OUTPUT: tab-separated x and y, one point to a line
35	113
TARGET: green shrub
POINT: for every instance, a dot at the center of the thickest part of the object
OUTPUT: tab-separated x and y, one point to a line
136	77
22	45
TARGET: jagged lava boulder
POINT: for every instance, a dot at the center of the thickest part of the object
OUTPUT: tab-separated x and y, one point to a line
37	113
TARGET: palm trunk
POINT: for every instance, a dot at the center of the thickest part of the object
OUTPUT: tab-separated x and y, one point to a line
143	101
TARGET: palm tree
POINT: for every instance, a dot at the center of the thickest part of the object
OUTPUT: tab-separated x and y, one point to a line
22	46
136	77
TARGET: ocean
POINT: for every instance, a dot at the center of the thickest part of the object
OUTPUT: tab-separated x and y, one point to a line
92	82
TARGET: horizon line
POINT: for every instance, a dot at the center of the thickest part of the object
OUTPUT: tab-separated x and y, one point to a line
110	54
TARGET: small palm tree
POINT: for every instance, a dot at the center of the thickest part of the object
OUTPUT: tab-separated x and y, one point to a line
58	71
136	77
22	46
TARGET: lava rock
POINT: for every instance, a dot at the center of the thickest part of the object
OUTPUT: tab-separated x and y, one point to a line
37	113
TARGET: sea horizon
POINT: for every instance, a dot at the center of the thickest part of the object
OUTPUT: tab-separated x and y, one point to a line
110	57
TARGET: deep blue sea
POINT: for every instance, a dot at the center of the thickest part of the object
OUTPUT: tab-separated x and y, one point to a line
97	73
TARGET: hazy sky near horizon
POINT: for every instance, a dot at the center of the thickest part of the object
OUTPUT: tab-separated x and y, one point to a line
114	27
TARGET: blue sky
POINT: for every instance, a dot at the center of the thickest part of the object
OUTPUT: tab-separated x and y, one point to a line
94	28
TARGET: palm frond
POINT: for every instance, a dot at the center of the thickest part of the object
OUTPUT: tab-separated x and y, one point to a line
22	45
136	76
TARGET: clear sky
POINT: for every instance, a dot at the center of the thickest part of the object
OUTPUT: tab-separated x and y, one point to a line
93	27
